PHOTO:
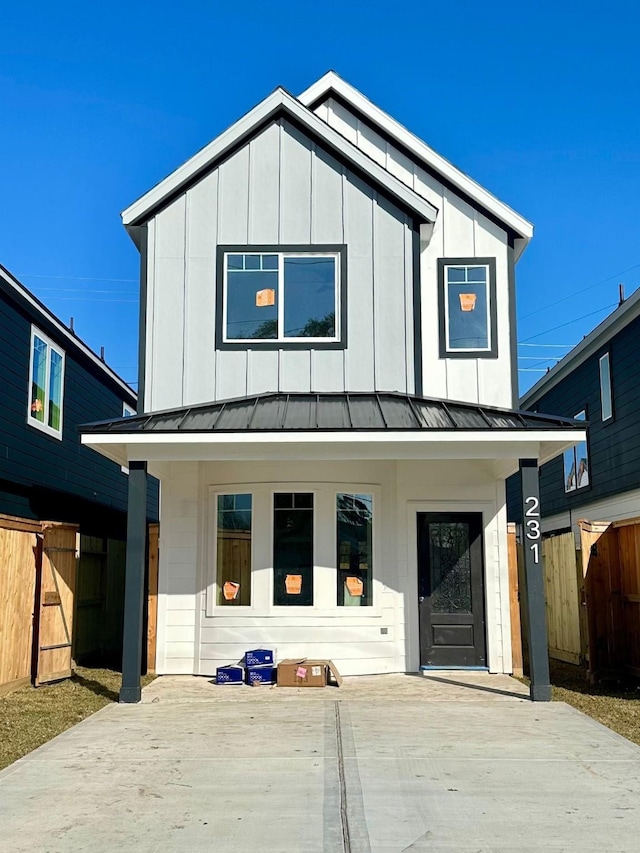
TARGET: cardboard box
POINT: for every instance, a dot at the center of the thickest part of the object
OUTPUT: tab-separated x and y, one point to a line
229	675
304	672
258	657
260	674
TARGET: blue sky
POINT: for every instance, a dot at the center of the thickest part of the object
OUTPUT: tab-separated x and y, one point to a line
538	102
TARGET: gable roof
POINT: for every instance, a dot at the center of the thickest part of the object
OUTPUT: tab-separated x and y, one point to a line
332	83
19	294
279	102
624	314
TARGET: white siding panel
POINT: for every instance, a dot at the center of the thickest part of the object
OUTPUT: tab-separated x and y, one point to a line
295	370
262	371
327	370
428	187
264	187
231	380
343	121
494	375
359	357
168	332
233	198
389	298
400	166
372	144
295	187
434	369
326	203
150	315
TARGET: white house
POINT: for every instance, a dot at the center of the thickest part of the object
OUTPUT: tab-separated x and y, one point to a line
327	377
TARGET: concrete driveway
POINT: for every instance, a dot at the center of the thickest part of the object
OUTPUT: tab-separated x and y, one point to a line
386	763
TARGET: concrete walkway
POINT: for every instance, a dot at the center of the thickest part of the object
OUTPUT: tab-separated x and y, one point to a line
386	763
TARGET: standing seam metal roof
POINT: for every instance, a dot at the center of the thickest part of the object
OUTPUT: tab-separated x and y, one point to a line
330	412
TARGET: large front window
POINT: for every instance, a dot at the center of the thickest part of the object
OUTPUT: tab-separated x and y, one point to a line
281	296
233	550
46	384
293	548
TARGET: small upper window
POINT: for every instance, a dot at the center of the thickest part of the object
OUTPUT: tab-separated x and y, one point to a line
46	387
278	296
606	397
576	463
467	308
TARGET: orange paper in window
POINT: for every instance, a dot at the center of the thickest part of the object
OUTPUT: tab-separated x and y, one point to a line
468	301
293	584
230	590
355	586
265	297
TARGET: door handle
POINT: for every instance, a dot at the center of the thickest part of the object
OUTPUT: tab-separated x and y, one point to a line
421	599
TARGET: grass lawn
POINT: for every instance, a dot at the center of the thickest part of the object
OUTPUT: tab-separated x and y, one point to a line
32	716
615	705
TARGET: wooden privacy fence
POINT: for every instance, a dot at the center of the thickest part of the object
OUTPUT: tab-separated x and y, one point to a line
611	557
37	585
563	595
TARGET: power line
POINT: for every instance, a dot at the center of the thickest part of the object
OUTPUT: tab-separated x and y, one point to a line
562	325
582	290
75	277
84	299
81	290
559	346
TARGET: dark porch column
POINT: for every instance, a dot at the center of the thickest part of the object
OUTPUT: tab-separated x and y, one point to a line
540	690
134	582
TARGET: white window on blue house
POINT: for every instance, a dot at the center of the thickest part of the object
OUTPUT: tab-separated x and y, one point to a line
467	308
606	396
46	384
576	463
281	297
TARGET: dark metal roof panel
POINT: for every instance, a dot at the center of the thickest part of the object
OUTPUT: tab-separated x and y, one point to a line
397	413
301	412
333	411
365	412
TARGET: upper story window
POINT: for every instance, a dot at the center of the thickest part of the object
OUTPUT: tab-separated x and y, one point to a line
576	463
606	396
46	384
281	297
467	306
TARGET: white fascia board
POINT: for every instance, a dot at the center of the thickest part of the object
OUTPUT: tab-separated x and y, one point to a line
443	444
65	332
610	326
244	127
332	82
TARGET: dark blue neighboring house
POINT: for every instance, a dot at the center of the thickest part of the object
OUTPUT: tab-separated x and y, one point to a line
50	383
598	381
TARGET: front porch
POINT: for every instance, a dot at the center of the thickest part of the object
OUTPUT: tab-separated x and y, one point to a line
403	462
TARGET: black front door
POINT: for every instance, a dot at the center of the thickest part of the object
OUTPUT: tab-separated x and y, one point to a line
451	589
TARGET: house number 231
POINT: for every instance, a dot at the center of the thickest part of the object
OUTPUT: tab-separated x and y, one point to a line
532	526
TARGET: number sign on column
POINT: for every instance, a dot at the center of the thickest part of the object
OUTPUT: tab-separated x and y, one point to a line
532	526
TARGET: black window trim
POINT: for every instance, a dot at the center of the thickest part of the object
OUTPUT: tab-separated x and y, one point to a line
493	308
304	249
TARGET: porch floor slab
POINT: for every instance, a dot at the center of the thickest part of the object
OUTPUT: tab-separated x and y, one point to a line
384	763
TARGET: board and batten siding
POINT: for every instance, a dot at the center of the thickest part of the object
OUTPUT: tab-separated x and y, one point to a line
280	188
460	231
195	636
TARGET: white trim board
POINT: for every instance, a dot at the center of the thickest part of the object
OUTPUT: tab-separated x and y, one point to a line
331	82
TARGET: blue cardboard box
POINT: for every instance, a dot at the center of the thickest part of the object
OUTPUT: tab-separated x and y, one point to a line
260	674
229	675
258	657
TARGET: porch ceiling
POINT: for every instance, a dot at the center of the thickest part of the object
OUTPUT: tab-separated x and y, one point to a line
335	426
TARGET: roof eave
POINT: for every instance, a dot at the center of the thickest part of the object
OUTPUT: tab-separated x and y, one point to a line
598	337
333	82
